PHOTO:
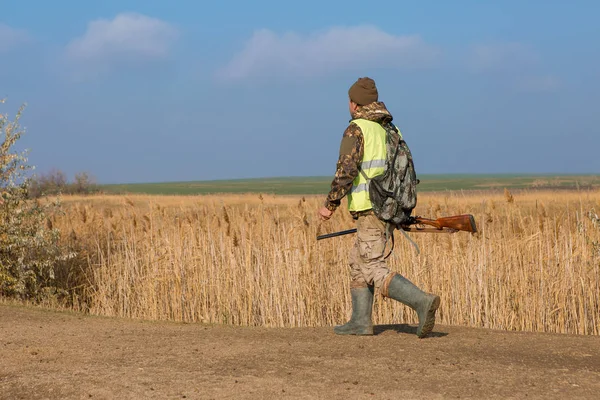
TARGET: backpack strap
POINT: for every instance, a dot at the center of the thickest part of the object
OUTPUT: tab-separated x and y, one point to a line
411	241
387	238
389	235
364	175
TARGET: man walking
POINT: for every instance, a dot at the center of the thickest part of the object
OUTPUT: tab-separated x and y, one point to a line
363	147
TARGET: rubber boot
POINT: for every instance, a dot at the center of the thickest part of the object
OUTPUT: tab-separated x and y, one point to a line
362	307
425	304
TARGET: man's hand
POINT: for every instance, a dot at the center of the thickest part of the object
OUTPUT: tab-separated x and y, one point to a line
325	213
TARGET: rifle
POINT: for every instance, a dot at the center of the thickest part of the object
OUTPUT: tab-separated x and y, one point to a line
455	223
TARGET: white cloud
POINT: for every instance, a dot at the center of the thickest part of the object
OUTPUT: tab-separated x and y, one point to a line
127	38
326	52
11	37
502	57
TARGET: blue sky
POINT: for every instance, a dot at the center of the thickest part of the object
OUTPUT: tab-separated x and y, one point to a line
147	91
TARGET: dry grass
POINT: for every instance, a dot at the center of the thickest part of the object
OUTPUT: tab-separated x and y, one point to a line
249	260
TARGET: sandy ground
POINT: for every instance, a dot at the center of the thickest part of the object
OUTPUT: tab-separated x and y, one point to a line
56	355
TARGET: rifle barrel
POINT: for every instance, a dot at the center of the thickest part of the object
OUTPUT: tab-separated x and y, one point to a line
334	234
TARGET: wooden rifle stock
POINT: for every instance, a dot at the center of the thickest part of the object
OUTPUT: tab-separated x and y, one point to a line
465	222
455	223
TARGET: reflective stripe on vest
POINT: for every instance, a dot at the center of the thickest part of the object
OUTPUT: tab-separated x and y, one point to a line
373	163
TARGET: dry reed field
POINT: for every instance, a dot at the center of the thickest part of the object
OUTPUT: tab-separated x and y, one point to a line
254	260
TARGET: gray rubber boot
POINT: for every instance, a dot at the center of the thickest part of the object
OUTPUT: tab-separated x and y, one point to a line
362	307
425	304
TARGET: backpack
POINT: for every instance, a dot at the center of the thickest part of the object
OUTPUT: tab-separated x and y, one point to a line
393	194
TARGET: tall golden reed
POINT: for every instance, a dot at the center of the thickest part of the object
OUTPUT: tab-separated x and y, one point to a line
254	260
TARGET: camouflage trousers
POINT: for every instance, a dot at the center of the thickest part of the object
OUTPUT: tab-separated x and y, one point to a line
367	263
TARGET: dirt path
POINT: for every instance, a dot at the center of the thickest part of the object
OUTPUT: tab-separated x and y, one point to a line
52	355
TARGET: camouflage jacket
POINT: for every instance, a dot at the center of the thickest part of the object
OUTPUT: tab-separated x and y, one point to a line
352	151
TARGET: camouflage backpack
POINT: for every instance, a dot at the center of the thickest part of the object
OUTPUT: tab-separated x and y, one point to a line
393	194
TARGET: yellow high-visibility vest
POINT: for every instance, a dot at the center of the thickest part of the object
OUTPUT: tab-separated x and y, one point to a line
373	163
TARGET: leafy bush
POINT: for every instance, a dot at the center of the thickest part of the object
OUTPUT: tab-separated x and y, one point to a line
29	246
